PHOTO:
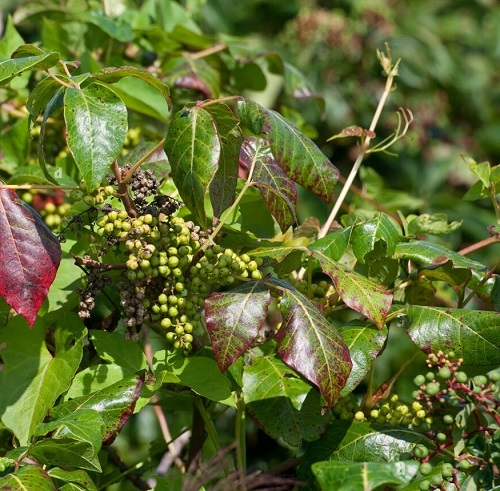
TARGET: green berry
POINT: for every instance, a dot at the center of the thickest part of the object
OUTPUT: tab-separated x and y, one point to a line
430	376
480	380
461	377
447	470
464	465
436	480
165	323
441	437
419	380
425	468
444	373
359	416
188	338
432	388
424	485
448	419
494	376
420	451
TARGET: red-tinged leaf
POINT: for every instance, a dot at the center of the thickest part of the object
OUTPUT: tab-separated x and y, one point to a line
311	345
29	255
278	190
223	185
297	155
234	319
358	292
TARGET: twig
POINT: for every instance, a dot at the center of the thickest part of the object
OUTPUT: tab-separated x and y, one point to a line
479	245
123	190
143	159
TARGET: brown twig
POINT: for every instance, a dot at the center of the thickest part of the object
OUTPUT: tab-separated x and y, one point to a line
123	190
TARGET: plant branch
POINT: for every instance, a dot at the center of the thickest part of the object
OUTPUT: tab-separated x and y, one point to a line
216	48
123	190
479	245
391	74
141	161
62	82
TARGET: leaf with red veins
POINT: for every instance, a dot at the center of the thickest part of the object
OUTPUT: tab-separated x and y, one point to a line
312	346
29	256
234	319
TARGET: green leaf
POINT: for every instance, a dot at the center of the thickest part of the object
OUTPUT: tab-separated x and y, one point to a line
112	75
358	292
65	452
455	277
193	147
482	171
298	157
114	404
223	185
203	376
345	476
27	478
15	146
25	58
33	377
96	125
73	477
84	425
473	335
234	319
115	28
309	344
278	190
283	404
436	224
365	235
10	39
114	348
334	244
41	95
364	342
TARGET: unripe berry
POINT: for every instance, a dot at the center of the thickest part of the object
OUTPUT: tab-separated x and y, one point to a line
359	416
494	376
480	380
436	480
461	377
187	338
441	437
421	414
419	380
430	376
464	465
432	388
166	323
424	485
444	373
447	470
425	468
448	419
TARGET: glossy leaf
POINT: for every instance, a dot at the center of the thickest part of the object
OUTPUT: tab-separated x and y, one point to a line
193	148
365	235
66	452
283	404
334	244
234	319
29	254
114	404
473	335
358	292
223	185
33	378
346	476
77	477
298	157
365	342
112	75
455	277
26	478
436	224
278	190
114	348
96	125
309	344
40	96
26	57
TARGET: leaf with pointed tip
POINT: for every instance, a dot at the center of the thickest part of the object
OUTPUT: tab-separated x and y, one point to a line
473	335
96	126
114	404
334	244
234	319
309	344
365	235
345	476
27	477
112	75
278	190
455	277
278	252
358	292
29	254
223	185
33	378
40	96
75	477
364	342
193	148
283	404
297	155
26	57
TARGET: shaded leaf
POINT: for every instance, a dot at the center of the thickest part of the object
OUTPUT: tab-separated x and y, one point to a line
26	57
223	185
193	148
26	478
358	292
346	476
473	335
234	319
96	125
114	348
112	75
75	477
365	235
298	157
114	404
40	96
436	224
311	345
29	254
278	190
283	404
455	277
33	378
364	342
115	28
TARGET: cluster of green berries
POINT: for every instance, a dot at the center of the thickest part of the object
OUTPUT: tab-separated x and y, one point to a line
92	198
171	275
131	139
51	206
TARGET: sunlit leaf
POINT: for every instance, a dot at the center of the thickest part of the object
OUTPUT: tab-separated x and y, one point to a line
28	477
234	319
29	254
